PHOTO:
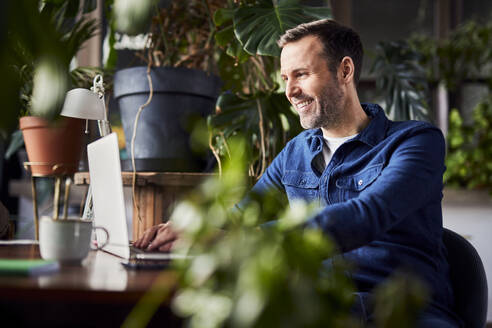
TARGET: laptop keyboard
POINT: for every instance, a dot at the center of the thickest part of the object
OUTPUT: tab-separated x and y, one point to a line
137	264
135	250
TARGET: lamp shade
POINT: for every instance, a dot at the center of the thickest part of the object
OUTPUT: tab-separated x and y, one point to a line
85	104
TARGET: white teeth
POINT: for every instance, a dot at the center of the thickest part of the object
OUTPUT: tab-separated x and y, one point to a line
303	104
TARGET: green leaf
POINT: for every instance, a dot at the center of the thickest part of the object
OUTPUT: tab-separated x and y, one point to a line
113	54
133	17
50	84
82	31
403	81
259	27
241	115
224	36
235	50
222	16
399	299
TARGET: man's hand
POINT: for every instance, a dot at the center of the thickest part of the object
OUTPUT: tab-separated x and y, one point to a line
160	237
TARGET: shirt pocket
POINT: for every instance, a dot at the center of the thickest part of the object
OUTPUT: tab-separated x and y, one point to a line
352	185
301	185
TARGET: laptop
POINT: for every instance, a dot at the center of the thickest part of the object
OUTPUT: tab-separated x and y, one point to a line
108	201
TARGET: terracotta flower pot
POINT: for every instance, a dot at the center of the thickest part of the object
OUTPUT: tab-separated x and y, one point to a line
52	148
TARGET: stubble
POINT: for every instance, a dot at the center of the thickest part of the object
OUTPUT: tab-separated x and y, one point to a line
329	110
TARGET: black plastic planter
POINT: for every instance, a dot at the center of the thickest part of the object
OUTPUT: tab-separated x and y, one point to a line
162	141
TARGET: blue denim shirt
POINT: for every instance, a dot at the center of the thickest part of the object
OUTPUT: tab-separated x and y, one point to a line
380	198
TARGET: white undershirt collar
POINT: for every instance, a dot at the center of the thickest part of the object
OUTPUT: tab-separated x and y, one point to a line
331	145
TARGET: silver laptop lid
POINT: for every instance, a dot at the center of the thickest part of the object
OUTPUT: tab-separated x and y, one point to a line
107	193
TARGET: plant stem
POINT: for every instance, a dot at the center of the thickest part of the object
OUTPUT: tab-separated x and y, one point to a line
257	61
134	135
262	137
215	152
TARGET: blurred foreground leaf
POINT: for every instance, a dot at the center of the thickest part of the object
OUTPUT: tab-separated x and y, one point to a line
246	276
133	17
50	85
35	55
399	300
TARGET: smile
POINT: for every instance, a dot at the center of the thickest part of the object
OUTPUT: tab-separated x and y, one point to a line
303	104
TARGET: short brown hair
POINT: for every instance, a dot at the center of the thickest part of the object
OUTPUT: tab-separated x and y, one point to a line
338	41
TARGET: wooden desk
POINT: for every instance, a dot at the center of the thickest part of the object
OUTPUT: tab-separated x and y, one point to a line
98	293
156	193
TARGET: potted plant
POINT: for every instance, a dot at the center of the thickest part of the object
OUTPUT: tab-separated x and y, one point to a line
237	41
53	144
178	85
39	37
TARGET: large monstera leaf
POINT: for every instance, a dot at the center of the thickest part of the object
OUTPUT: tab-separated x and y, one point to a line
223	18
241	115
258	27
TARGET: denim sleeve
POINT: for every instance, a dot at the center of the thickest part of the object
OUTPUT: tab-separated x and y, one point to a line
411	179
272	178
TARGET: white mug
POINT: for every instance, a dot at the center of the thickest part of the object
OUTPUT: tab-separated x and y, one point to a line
66	240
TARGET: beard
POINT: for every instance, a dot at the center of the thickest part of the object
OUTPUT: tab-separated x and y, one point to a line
327	112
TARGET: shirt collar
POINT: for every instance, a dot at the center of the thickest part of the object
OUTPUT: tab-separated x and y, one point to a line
375	131
372	134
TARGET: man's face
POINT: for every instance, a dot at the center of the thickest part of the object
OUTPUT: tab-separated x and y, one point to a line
311	87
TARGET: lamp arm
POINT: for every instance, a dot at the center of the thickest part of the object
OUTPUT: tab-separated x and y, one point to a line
104	127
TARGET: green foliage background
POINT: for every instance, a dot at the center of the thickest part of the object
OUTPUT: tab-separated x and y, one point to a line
409	67
470	149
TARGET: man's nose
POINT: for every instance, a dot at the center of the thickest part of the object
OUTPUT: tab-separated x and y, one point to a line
292	89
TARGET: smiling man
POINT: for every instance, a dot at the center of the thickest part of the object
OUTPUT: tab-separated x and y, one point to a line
314	89
378	182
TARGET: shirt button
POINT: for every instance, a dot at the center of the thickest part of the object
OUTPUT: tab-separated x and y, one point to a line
360	182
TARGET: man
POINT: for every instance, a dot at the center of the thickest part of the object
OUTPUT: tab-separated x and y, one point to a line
379	183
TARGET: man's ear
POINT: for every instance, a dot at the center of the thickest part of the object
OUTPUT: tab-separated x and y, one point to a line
346	70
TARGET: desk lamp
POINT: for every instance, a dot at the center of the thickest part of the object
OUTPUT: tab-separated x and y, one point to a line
89	105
